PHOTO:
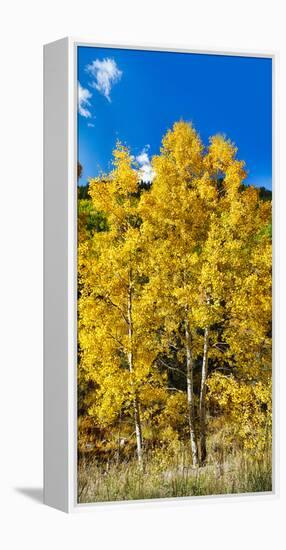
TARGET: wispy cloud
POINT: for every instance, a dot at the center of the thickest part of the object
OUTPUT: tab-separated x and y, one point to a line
84	96
145	169
105	74
90	125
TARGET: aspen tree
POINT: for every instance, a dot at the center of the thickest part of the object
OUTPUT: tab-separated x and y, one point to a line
175	223
176	281
115	350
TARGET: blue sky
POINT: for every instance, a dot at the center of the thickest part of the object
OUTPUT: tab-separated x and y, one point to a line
136	96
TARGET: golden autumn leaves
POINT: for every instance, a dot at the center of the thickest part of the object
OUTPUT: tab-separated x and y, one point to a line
175	298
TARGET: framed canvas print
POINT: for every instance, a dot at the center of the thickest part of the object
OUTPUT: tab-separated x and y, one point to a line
158	274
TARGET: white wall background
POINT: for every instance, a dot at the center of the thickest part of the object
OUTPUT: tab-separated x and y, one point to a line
25	27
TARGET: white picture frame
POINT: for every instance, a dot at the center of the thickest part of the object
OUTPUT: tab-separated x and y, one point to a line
60	277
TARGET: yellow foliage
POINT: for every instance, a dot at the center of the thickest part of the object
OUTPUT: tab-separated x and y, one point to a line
246	406
189	257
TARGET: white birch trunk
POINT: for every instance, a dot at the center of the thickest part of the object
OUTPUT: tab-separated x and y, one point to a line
190	395
203	449
136	408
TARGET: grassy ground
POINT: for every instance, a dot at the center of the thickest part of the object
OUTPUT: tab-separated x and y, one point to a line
172	478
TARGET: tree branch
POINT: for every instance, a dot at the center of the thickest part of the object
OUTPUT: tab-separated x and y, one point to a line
171	368
116	340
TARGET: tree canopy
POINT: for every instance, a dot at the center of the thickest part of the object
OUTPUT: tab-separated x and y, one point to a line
174	308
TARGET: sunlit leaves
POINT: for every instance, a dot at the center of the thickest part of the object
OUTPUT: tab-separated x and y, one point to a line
192	250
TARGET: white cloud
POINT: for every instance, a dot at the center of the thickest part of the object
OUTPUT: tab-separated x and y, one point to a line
145	169
90	125
105	74
84	96
143	158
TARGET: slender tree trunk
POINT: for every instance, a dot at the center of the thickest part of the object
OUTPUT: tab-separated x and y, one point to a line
203	447
190	395
136	408
119	439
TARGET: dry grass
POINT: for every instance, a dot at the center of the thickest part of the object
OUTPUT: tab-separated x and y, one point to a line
172	477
